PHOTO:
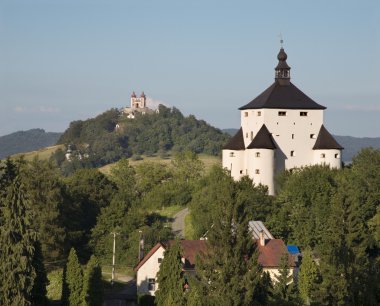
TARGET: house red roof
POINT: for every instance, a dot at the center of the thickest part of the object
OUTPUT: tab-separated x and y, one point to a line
190	249
147	256
270	254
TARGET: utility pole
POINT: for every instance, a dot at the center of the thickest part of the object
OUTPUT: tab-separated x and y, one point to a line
140	245
113	257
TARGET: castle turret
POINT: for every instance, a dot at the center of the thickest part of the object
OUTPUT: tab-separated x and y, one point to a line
282	75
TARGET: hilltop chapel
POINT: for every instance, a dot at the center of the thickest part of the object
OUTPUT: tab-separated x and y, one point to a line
282	128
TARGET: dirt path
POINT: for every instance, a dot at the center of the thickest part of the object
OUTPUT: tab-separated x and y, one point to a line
178	225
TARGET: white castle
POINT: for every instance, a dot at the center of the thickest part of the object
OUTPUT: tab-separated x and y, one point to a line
282	128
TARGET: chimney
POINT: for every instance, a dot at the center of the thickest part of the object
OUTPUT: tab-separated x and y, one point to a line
262	239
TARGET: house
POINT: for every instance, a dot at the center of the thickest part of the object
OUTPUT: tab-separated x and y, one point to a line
282	128
148	267
270	253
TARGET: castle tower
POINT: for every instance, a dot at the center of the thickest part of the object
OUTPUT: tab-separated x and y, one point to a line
138	102
282	128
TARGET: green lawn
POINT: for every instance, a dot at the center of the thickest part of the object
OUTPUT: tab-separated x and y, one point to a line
208	160
43	153
189	230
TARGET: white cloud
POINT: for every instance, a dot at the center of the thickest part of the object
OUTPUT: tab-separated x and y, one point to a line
20	109
153	103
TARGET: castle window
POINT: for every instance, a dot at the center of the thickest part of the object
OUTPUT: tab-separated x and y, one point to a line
292	136
232	154
241	171
282	113
323	155
159	260
151	284
292	153
257	171
337	155
245	114
312	136
303	114
257	154
251	135
246	135
259	113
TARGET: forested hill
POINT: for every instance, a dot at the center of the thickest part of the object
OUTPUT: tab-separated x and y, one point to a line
111	135
351	145
25	141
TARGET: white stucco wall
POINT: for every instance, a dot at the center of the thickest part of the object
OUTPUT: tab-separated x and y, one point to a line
233	161
261	166
149	270
331	158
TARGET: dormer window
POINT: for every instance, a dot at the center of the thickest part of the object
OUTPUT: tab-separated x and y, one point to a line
282	113
303	114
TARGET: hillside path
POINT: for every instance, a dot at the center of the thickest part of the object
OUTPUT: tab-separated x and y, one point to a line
178	225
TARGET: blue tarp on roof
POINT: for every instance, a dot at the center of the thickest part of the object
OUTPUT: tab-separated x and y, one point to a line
293	249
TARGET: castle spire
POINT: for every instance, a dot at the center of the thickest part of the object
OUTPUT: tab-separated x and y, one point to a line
282	75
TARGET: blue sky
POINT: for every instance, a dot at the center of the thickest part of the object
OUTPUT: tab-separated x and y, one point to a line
67	60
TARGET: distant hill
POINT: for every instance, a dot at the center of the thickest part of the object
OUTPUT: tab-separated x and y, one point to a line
111	136
25	141
352	145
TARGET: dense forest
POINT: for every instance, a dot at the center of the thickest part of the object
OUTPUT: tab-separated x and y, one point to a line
112	136
50	222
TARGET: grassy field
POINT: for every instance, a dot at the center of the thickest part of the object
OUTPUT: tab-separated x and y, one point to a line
189	231
208	161
43	153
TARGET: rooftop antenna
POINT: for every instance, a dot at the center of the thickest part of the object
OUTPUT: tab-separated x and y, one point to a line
281	40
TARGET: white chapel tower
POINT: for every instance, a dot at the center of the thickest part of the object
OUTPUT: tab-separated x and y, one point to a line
281	128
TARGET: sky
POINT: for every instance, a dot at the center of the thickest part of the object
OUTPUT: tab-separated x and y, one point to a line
65	60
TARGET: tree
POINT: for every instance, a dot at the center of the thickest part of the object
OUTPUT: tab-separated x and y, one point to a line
170	278
303	205
344	265
92	284
307	277
72	281
86	193
229	272
17	240
41	281
283	280
45	194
